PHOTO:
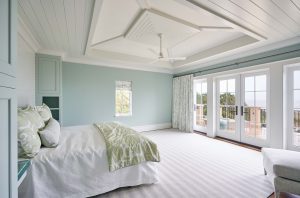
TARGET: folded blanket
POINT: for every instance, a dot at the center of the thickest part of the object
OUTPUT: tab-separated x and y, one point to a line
126	147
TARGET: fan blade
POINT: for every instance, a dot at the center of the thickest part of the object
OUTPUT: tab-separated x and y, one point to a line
216	28
172	58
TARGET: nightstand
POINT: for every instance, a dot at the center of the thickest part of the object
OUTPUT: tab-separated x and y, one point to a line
23	167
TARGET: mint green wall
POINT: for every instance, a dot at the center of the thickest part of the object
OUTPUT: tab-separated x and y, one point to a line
89	95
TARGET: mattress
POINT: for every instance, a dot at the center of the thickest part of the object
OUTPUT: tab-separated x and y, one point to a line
78	167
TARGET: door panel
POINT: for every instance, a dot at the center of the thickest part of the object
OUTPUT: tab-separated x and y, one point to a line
227	108
293	108
200	105
8	108
4	146
8	37
254	100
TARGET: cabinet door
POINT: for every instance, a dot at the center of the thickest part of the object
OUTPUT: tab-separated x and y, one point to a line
8	143
48	71
8	109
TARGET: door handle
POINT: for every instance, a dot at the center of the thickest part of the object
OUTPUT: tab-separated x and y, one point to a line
236	110
242	110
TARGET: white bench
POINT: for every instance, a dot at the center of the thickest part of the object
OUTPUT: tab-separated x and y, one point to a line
283	169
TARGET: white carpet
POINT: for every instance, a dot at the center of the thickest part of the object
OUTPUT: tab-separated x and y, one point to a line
196	166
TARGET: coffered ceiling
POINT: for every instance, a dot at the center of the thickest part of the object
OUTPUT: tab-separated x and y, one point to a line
125	33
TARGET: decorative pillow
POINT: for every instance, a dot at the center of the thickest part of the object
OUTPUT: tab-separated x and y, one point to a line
50	134
29	142
44	112
33	116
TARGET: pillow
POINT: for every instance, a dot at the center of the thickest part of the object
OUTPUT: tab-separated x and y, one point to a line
44	112
33	116
29	142
50	134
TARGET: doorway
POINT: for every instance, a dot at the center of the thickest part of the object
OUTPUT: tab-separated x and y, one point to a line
242	108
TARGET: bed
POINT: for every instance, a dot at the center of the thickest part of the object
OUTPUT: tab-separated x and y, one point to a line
78	167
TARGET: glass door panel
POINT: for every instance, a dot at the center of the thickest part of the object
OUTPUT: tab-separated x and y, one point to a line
296	109
227	107
200	105
254	109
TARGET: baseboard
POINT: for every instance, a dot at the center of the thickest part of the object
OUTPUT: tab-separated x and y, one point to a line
152	127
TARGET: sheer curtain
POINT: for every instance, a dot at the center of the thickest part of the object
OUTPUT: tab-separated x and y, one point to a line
182	112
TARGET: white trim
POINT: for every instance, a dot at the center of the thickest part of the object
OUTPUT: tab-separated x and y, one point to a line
52	52
236	54
95	17
25	33
108	63
152	127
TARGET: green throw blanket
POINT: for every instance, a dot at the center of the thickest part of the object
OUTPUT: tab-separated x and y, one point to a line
126	147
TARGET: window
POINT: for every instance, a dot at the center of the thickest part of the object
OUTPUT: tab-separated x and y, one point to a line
123	98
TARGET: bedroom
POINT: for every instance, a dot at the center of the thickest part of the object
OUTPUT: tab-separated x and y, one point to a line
150	98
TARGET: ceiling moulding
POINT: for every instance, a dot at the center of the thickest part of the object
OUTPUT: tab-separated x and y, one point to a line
232	55
52	52
92	60
231	45
146	18
25	33
116	64
94	20
196	6
276	55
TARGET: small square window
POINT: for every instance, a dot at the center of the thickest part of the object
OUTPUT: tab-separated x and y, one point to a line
123	98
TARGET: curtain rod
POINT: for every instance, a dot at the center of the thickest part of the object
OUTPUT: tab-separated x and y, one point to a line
238	64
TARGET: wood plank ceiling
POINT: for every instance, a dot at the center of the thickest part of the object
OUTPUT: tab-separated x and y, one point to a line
61	25
64	25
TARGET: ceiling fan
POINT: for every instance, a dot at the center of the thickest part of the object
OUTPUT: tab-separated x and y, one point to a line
161	56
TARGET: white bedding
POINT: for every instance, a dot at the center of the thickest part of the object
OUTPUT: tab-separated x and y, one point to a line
78	167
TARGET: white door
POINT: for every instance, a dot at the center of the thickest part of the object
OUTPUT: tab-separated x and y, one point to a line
255	109
242	108
200	105
293	108
228	120
8	106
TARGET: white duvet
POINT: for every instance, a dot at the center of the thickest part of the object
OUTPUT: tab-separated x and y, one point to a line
78	167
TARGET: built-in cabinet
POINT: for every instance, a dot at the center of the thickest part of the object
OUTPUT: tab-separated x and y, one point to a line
8	101
48	83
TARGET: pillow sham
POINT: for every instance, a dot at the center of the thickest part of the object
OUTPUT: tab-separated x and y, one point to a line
29	142
50	134
33	116
44	112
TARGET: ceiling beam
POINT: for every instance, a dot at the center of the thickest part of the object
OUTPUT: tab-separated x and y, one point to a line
107	40
187	23
96	12
225	47
197	6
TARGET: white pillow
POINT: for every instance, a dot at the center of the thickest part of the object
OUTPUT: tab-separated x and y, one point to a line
50	134
44	112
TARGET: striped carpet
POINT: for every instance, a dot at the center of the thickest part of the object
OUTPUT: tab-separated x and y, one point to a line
196	166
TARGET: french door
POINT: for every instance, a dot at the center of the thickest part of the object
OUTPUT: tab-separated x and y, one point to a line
293	108
242	108
200	105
